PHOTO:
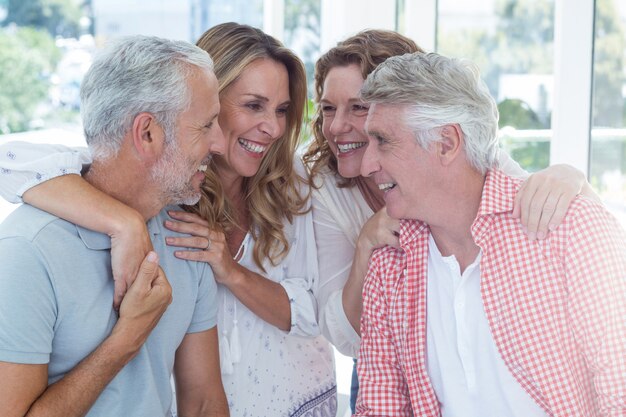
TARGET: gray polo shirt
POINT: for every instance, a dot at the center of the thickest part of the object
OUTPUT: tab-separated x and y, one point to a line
56	292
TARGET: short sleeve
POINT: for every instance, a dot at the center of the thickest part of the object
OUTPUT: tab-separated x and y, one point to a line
205	311
27	304
24	165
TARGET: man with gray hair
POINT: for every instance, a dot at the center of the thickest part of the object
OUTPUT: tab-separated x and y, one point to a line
150	109
470	317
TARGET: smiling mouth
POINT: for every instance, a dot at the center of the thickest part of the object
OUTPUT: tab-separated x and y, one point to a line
251	146
386	186
204	165
347	147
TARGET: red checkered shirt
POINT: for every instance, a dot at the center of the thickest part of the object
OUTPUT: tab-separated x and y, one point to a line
556	309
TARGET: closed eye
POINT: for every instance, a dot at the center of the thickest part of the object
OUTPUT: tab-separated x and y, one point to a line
254	106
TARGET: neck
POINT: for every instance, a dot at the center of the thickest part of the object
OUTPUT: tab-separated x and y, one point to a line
127	184
373	196
454	214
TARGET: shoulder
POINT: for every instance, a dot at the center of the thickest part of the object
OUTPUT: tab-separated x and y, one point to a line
174	267
587	219
32	224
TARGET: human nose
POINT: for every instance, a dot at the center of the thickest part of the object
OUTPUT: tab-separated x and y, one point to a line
271	126
369	163
218	144
339	124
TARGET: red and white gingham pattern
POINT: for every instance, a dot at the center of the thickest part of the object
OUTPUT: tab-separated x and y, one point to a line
556	309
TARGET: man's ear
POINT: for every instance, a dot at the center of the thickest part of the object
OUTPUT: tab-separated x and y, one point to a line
450	146
148	137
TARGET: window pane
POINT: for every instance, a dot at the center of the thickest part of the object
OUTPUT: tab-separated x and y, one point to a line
608	136
512	43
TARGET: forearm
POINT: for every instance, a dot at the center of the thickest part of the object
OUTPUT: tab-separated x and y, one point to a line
207	409
78	390
352	295
265	298
74	199
199	389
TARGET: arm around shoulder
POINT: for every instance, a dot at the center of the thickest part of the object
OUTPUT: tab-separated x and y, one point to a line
25	165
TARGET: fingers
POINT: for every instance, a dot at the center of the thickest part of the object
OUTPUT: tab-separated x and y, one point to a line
560	211
184	216
148	271
193	229
544	198
195	242
539	210
119	290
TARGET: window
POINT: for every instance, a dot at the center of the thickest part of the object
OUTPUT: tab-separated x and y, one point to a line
607	163
512	43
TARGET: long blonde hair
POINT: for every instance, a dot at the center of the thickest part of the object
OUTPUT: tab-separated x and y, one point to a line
367	49
273	193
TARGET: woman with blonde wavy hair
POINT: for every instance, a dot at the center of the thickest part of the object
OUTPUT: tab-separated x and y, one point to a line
253	225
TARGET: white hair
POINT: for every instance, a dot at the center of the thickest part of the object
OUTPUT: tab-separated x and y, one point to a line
439	91
132	75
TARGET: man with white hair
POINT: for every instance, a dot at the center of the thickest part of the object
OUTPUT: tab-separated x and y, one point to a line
150	109
470	317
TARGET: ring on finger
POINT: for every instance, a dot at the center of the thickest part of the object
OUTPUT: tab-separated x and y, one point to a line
208	244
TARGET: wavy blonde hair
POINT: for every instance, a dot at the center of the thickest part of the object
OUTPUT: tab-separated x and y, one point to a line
273	193
367	49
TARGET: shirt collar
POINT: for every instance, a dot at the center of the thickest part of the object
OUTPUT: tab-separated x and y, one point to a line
100	241
411	230
498	193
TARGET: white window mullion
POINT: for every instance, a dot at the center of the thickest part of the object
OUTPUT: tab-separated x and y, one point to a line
573	63
420	22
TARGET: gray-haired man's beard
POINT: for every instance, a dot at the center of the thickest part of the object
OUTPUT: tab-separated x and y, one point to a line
172	174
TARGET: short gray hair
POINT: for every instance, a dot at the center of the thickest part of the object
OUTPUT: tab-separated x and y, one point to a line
439	91
132	75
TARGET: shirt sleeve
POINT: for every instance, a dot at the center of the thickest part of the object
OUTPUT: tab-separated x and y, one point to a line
300	277
595	262
510	167
27	304
23	165
205	311
382	388
335	255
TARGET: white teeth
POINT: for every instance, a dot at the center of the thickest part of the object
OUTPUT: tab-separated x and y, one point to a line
252	147
345	147
203	168
386	186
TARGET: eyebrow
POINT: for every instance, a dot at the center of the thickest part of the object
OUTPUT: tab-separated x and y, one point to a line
352	100
375	134
260	97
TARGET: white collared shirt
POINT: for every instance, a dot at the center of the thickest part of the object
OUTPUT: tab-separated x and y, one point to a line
467	372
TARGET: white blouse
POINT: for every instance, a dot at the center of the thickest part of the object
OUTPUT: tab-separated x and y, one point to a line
265	371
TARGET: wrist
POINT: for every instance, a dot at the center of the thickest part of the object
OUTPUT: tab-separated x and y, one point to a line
125	340
128	221
234	278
